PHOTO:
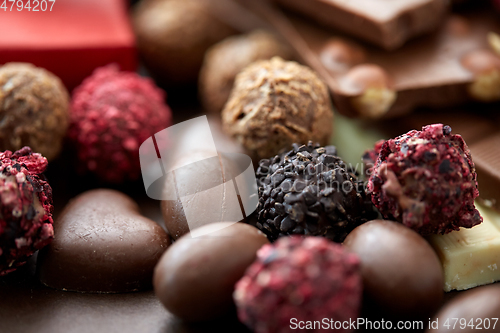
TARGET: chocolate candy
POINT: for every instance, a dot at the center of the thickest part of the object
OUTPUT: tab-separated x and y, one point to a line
470	257
472	311
388	24
275	103
452	66
402	275
102	245
195	278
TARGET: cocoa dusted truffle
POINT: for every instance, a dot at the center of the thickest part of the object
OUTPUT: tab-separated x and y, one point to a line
426	180
226	59
112	114
306	279
34	109
310	191
275	103
173	35
25	207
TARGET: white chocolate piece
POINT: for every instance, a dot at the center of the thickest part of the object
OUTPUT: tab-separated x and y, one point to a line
470	257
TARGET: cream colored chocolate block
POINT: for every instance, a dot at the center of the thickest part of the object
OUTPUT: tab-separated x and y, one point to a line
471	257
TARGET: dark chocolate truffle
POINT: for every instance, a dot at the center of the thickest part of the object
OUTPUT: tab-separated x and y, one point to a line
226	59
173	35
402	275
195	278
25	207
275	103
310	191
112	114
306	279
102	245
426	180
34	109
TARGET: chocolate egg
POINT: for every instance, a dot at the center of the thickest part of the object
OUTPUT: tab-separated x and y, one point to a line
474	310
195	277
402	275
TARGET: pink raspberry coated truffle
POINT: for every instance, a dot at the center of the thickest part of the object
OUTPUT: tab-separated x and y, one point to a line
307	279
426	180
25	207
112	113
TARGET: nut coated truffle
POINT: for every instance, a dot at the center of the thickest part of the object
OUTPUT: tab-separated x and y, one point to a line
112	113
310	191
34	109
226	59
426	180
275	103
173	35
304	278
25	207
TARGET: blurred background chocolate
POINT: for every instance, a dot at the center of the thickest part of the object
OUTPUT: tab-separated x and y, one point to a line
34	109
227	58
173	35
385	24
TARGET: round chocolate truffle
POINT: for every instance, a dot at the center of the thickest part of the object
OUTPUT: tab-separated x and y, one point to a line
173	35
25	207
195	278
306	279
227	58
426	180
112	114
275	103
472	310
402	275
34	109
310	191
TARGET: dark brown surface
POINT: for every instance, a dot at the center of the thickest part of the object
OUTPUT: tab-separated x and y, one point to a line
425	72
402	275
383	23
195	279
103	244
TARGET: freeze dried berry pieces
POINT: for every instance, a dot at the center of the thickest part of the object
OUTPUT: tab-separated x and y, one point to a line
426	180
25	207
307	278
310	191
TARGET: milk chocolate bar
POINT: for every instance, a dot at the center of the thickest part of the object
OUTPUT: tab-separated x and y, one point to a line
471	257
388	24
452	66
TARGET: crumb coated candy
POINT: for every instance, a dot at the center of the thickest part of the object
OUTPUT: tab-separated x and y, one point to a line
34	109
25	207
304	278
275	103
310	191
112	113
426	180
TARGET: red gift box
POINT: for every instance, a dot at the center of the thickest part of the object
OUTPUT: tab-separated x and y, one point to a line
70	38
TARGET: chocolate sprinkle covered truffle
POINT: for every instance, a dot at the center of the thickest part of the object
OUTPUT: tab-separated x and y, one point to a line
310	191
426	180
306	279
226	59
25	207
275	103
34	109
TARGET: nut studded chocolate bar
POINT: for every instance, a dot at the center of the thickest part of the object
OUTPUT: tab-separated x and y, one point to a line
388	24
455	65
